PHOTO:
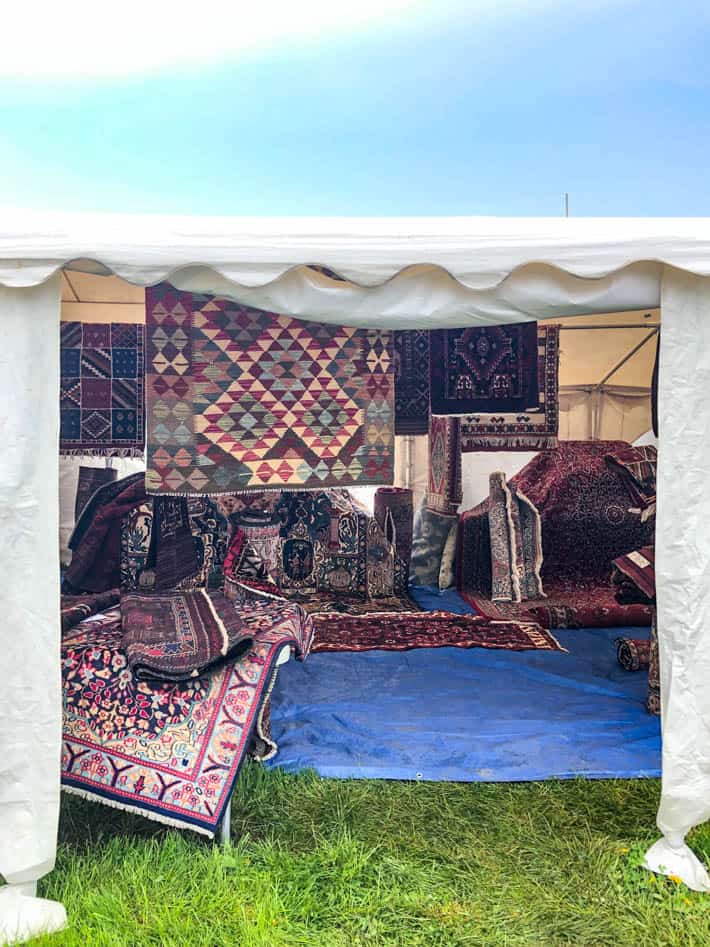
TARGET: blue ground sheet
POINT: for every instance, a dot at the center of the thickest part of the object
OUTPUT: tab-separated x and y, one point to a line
468	715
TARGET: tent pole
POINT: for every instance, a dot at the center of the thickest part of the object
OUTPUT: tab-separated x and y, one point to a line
225	826
650	327
625	359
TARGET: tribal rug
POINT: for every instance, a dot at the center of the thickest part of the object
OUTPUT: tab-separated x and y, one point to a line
633	653
90	479
636	468
178	636
170	752
411	381
77	608
101	389
635	576
445	485
394	511
586	524
503	380
391	632
239	398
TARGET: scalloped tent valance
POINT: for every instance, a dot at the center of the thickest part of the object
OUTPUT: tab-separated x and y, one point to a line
393	271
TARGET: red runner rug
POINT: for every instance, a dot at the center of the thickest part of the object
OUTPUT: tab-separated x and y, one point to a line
403	632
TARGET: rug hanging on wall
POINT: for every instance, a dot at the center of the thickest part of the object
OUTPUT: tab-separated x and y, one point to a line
101	389
502	381
445	485
411	381
170	752
239	398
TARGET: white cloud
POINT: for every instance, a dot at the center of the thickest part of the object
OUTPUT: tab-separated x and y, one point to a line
84	40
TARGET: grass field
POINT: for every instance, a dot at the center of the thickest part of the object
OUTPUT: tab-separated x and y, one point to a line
349	863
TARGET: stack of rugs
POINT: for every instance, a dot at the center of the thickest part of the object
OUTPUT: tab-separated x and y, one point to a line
542	547
166	680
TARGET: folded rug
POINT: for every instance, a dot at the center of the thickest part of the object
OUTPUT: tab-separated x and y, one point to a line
397	632
90	479
637	568
172	554
75	608
633	653
96	557
394	511
636	468
181	635
170	752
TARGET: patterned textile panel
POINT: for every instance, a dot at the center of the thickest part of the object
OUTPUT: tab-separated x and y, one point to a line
411	381
445	485
101	389
209	529
502	381
170	752
239	398
636	468
584	510
394	511
431	530
90	479
506	583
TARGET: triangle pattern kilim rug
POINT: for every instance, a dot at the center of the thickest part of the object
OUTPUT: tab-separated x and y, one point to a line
239	398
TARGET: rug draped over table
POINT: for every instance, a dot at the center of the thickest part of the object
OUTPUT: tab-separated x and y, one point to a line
411	381
586	523
170	752
177	636
392	632
239	398
101	389
445	490
503	380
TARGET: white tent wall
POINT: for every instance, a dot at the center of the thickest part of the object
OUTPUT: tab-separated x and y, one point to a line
31	716
683	571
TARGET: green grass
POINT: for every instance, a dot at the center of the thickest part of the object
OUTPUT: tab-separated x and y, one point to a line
349	863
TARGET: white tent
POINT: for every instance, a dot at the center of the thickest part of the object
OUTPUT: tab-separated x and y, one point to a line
404	272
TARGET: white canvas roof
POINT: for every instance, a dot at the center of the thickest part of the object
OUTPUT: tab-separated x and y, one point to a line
405	271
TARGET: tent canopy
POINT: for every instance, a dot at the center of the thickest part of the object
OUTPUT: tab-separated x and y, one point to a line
398	272
404	272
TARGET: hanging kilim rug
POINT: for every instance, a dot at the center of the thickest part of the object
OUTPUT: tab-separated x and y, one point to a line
170	752
502	381
101	389
411	381
239	398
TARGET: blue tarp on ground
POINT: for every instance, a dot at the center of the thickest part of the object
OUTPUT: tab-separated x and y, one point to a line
468	715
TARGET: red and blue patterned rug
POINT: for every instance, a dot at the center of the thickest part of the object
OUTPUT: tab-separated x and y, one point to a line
170	752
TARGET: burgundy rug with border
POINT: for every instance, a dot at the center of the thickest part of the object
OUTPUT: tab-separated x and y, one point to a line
403	632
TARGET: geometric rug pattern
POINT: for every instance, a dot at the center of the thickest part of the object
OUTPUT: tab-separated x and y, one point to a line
101	389
239	398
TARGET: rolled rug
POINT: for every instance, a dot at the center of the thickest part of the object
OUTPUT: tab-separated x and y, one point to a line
394	511
633	653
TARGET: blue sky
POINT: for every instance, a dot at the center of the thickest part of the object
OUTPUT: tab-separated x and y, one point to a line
404	107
